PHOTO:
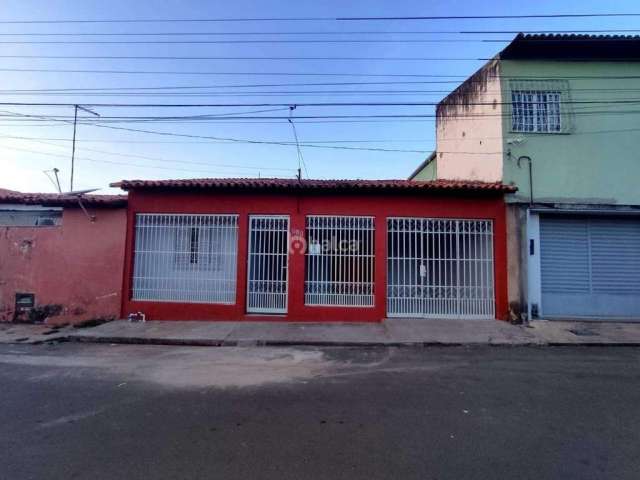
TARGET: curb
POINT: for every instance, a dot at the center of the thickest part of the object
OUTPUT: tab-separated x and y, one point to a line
284	343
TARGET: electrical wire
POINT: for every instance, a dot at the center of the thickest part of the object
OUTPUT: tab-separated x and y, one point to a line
309	32
151	158
128	164
327	18
261	57
257	41
287	105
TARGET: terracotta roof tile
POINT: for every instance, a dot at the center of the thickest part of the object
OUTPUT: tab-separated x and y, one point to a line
315	185
62	200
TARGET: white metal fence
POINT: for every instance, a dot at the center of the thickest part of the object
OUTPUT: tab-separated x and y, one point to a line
440	268
185	258
268	264
340	261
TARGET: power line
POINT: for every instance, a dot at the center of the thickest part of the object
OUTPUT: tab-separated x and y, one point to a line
309	32
330	18
496	17
157	159
287	105
182	72
282	93
257	41
251	85
165	57
299	84
128	164
321	74
43	139
201	120
229	139
334	118
117	140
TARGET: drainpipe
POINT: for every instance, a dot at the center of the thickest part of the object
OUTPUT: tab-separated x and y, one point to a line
528	159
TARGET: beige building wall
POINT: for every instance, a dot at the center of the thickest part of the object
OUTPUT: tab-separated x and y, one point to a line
469	129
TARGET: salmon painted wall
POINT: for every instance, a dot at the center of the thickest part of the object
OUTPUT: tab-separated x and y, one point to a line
469	131
77	265
297	206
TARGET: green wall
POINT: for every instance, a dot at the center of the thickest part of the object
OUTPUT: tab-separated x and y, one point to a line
428	172
595	162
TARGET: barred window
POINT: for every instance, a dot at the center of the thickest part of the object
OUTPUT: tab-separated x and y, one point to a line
340	261
186	258
536	111
197	247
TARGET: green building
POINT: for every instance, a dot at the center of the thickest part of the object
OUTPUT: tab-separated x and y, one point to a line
558	116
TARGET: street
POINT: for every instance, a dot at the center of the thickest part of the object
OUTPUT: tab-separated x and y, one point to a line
87	411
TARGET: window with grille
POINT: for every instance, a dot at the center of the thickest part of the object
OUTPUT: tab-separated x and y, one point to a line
197	248
186	258
540	105
340	261
536	111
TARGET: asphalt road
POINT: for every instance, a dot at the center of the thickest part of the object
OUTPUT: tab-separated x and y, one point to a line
127	412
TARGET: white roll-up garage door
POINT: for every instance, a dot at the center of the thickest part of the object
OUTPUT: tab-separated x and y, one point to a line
590	267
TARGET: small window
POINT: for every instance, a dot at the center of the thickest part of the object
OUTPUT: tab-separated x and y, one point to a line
197	247
540	106
536	111
30	218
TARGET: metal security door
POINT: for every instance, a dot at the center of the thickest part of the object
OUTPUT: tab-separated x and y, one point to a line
590	267
440	268
268	264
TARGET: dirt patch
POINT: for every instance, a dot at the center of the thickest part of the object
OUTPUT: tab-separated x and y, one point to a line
188	367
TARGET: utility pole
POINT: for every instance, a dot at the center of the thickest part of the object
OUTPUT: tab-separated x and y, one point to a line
73	145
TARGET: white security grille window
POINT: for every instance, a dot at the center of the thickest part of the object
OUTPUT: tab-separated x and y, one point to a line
440	268
186	258
340	261
536	111
540	106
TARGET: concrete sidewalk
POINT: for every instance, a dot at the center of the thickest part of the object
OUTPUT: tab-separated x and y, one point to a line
555	332
32	333
392	332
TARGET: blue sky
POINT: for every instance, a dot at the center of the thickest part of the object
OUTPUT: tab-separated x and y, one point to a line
107	154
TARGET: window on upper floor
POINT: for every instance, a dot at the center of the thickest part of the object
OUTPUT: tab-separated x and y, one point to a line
536	111
540	106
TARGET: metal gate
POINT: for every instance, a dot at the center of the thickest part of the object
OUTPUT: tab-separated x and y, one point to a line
440	268
268	264
590	267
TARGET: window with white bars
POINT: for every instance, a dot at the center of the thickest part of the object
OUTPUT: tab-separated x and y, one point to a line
340	261
536	111
185	258
540	106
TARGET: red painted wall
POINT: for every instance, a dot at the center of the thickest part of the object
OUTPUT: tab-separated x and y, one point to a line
297	206
77	265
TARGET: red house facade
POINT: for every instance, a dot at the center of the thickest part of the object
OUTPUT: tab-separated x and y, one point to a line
314	250
61	257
